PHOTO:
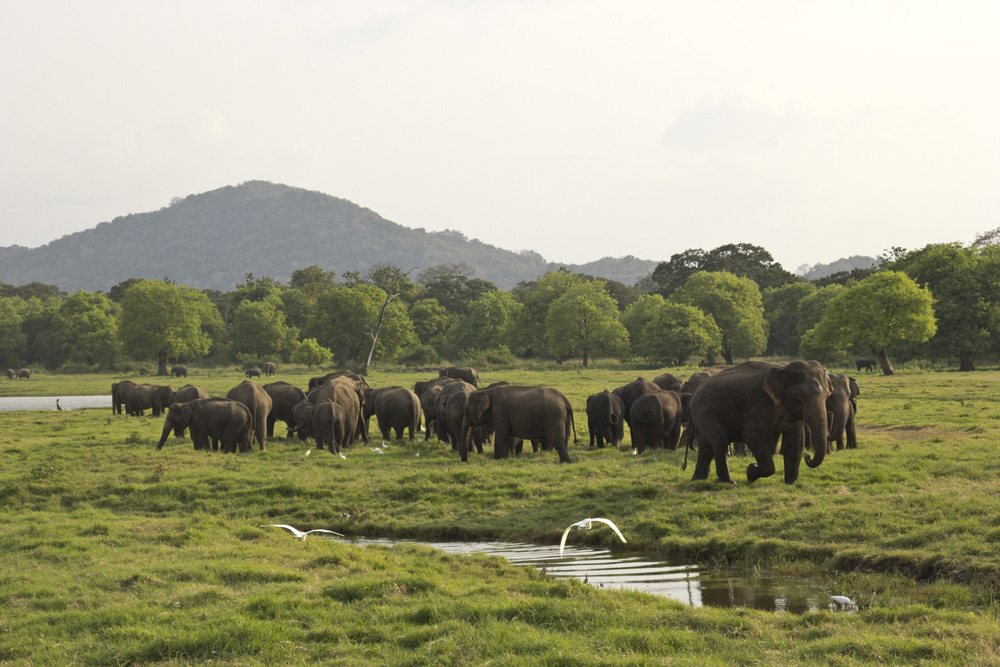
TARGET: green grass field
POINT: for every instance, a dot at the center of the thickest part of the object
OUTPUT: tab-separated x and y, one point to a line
112	553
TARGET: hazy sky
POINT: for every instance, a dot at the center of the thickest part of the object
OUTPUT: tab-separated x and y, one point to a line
577	129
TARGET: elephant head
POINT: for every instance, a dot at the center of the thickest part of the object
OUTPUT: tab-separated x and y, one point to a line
799	391
178	417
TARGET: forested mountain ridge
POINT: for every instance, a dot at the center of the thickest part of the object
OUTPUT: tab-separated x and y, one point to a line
211	240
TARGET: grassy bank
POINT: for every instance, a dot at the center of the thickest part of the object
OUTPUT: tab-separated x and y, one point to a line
113	553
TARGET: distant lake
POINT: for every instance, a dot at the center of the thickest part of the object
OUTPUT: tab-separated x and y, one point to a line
10	403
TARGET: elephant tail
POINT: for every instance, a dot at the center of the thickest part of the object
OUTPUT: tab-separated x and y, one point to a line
573	422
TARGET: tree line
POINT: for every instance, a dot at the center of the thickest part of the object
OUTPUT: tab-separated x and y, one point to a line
940	302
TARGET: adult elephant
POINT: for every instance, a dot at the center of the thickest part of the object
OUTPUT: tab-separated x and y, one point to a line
841	407
269	368
426	391
258	402
668	382
323	379
188	392
211	420
866	363
656	419
329	426
466	373
690	387
118	392
449	406
180	370
395	408
24	373
606	419
515	411
757	402
349	395
284	397
633	390
142	397
252	372
10	373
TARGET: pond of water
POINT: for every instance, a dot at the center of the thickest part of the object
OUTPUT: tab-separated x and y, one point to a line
688	583
9	403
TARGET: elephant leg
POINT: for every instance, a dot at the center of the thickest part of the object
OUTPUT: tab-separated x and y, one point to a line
557	439
792	449
721	456
704	463
852	436
763	466
673	438
501	442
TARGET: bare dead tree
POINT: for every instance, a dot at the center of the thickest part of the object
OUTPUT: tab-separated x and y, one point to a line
391	294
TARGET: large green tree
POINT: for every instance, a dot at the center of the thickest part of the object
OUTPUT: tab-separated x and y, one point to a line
677	332
85	331
882	309
741	259
453	285
165	321
486	325
13	341
529	337
584	321
781	310
346	319
260	332
736	306
965	282
636	318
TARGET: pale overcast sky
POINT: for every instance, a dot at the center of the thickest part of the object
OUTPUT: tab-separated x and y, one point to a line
577	129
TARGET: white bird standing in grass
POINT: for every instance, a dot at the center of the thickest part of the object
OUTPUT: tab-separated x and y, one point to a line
376	450
587	524
298	534
843	601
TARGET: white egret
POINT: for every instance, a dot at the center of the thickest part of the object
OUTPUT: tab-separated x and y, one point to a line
842	600
587	524
376	450
308	452
298	534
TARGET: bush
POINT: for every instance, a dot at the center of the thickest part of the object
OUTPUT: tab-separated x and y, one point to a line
420	355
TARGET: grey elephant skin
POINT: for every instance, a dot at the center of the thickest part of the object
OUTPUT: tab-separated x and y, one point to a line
212	421
259	403
349	395
465	373
606	419
179	371
669	382
142	397
427	391
23	373
633	390
10	374
269	368
395	408
656	419
841	407
758	402
513	411
118	392
329	426
188	392
866	363
323	379
690	387
252	372
284	397
449	406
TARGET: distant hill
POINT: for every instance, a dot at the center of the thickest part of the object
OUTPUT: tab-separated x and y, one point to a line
818	271
211	240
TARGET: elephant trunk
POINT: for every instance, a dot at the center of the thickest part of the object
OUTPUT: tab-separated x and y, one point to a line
167	428
816	431
464	439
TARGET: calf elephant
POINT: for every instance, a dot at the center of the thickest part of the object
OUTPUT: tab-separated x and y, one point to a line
258	402
118	392
395	408
606	419
656	419
460	373
179	370
211	420
329	426
284	397
269	368
153	397
514	411
252	372
757	402
841	407
188	392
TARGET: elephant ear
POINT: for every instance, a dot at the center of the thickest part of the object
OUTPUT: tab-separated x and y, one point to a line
774	384
481	405
855	389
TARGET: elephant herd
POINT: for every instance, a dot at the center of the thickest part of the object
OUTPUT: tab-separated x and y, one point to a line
748	407
722	410
19	374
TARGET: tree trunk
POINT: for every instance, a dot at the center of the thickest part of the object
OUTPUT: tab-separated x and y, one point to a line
161	358
586	358
883	361
727	354
965	364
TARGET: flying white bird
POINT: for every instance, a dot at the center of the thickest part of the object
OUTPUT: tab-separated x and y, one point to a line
298	534
587	524
376	450
841	600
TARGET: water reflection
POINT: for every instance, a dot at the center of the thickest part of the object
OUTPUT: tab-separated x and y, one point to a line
9	403
691	584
